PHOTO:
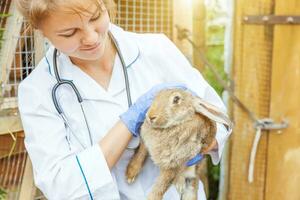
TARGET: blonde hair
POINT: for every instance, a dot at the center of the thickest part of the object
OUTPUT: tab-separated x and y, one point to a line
35	11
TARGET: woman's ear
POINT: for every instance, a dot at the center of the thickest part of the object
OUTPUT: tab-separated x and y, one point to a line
212	112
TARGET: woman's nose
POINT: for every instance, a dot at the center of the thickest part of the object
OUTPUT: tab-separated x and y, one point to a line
90	36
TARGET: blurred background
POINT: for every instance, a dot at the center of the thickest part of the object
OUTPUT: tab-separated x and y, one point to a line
249	51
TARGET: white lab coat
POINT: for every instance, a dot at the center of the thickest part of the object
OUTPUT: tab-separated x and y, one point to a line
150	59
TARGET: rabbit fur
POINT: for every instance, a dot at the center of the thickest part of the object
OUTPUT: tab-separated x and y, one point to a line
176	129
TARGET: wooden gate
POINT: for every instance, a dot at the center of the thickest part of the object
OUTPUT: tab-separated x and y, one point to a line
267	79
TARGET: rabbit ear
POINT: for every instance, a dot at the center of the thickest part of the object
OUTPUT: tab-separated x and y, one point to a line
212	112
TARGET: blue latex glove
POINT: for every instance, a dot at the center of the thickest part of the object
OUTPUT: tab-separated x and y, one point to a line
134	117
194	160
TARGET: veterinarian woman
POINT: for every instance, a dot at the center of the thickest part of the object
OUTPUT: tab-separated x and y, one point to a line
82	152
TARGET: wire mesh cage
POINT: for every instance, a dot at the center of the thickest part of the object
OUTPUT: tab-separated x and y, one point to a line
146	15
16	40
22	62
12	163
132	15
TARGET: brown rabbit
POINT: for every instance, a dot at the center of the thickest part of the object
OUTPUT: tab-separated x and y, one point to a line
177	126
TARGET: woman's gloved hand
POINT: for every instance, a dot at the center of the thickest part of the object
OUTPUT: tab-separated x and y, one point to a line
134	117
212	147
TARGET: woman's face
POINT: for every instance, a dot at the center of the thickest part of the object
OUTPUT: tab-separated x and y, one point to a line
79	35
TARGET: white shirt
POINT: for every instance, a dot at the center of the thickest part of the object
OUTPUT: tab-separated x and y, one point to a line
150	59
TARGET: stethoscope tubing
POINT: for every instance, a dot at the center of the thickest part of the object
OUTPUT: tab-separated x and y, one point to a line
61	82
115	42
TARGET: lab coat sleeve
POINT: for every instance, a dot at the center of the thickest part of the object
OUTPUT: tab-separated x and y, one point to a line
177	68
55	167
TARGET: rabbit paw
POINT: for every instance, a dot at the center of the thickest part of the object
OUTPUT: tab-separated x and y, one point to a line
180	184
131	173
153	196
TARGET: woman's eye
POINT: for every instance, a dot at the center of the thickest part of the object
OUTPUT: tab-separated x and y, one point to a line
69	35
95	17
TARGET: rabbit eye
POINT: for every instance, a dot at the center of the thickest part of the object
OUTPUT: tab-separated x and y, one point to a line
176	100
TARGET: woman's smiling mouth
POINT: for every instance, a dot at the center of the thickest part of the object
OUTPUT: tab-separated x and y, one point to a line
91	48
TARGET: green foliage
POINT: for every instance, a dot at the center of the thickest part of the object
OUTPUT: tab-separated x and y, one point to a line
1	33
213	177
215	55
3	15
2	194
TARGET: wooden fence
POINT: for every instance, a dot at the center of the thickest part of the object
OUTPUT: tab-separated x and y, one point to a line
266	74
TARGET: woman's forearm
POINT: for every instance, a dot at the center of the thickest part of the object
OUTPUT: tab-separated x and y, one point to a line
114	143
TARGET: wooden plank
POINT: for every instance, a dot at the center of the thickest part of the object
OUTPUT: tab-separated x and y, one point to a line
10	123
251	74
8	103
198	31
283	177
184	18
11	144
7	52
28	189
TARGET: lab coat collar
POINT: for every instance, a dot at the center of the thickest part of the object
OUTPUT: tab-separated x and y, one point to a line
90	89
127	44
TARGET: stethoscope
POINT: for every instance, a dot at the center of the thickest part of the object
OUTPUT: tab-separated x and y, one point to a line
61	82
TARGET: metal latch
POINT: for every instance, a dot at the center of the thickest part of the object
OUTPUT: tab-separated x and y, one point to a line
260	125
269	124
272	19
